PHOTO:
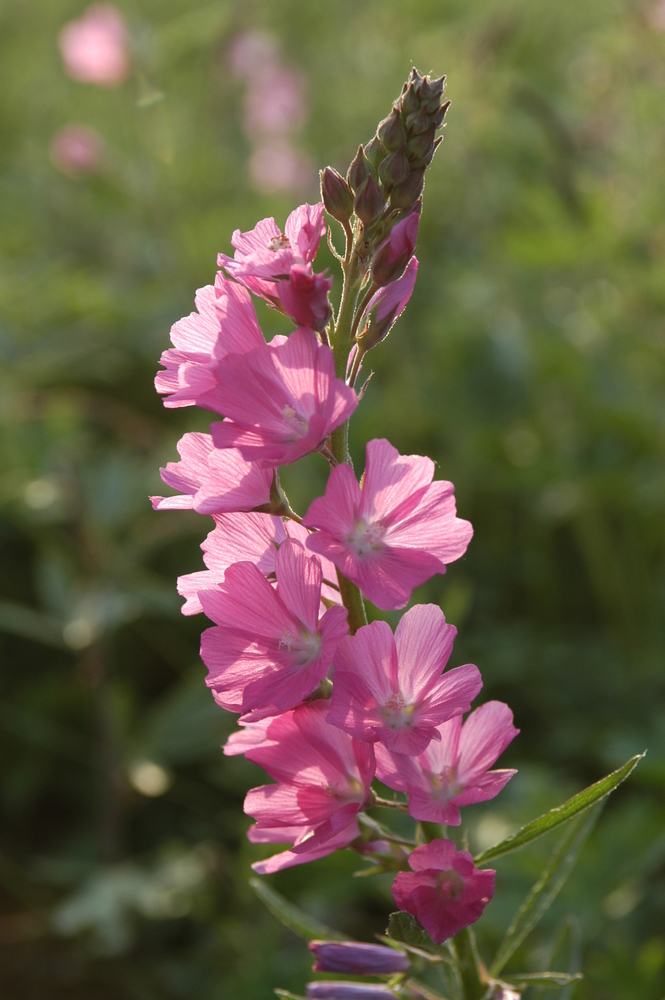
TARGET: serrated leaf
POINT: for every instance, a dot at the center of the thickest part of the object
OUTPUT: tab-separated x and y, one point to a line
292	916
547	888
561	814
403	927
550	979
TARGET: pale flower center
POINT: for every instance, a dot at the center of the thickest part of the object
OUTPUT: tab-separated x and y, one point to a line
305	646
280	242
366	538
444	784
450	884
397	713
296	424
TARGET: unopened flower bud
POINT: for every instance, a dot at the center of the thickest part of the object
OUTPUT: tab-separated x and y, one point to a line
404	195
419	145
417	122
409	100
336	195
353	957
391	131
304	297
386	306
437	118
358	171
394	169
425	160
395	253
348	991
374	153
369	201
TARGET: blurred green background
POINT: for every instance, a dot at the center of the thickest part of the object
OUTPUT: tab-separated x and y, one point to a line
529	364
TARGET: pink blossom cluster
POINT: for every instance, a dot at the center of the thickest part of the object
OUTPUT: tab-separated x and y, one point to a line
325	703
274	112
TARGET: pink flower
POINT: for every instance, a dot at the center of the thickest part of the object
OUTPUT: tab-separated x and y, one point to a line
353	956
77	150
324	777
264	255
394	533
278	165
275	101
387	305
455	771
392	689
395	253
250	737
250	52
241	537
269	650
305	297
444	890
94	48
224	323
280	403
213	481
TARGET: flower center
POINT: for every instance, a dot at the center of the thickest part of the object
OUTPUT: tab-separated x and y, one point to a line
449	883
296	424
444	785
280	242
397	713
304	646
366	538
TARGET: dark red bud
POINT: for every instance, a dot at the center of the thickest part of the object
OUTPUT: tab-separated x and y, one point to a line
336	195
358	171
391	132
369	201
394	169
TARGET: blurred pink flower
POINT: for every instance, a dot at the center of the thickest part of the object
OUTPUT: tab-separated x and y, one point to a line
656	16
454	771
393	688
278	165
77	150
324	777
275	102
251	52
444	889
269	650
94	48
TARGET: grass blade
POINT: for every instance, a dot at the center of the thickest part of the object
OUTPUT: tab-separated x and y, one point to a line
547	888
555	817
292	917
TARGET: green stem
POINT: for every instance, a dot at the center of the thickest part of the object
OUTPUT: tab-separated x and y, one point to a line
472	970
352	600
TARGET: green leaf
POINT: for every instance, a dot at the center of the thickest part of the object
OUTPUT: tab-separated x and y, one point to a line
292	917
287	995
19	619
405	928
555	817
546	889
550	979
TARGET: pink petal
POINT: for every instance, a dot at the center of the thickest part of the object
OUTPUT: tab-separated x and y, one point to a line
424	643
485	735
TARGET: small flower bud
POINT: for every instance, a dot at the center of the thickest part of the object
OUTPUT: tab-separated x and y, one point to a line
409	100
386	306
374	153
369	201
394	169
348	991
425	160
420	145
395	253
417	122
404	195
437	118
304	297
353	957
391	131
336	195
358	171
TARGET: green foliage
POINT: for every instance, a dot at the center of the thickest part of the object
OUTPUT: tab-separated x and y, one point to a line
293	917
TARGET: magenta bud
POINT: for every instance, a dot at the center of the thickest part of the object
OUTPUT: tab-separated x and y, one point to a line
394	169
336	195
354	957
395	253
369	201
358	171
347	991
304	297
387	305
404	195
391	132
